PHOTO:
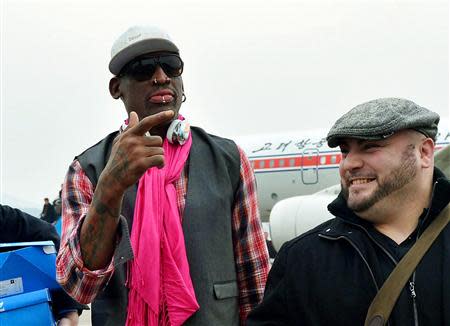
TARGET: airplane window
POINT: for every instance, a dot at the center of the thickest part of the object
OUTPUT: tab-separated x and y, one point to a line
291	162
271	163
261	164
333	159
323	160
281	162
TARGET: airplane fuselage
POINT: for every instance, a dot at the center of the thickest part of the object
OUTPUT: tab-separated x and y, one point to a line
288	165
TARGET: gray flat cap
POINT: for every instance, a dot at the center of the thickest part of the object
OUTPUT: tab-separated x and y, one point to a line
136	41
381	118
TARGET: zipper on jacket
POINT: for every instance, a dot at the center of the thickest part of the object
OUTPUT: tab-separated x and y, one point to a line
376	242
358	251
412	288
360	254
413	296
412	283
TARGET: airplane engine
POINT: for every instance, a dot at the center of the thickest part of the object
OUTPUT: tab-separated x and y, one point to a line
296	215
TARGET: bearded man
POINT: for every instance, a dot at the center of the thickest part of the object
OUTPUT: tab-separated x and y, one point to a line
391	192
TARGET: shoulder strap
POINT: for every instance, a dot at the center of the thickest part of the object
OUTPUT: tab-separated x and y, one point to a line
383	303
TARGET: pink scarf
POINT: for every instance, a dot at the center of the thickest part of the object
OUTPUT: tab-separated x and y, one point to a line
161	291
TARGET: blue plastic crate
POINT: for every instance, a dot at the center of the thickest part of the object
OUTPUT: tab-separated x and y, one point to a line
27	267
27	309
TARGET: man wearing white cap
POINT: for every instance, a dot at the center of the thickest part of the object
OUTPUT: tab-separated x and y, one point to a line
160	220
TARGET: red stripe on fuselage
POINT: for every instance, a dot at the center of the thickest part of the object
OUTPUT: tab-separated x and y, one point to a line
299	161
289	162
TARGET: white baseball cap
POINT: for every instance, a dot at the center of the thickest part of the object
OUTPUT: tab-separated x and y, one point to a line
136	41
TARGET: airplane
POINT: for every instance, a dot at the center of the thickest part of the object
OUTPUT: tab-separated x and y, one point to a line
290	164
297	176
296	164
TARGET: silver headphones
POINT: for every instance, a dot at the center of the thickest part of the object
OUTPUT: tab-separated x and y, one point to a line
178	132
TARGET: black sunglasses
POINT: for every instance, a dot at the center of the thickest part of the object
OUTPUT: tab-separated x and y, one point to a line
143	68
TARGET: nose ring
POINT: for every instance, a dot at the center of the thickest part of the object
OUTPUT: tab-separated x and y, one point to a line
156	81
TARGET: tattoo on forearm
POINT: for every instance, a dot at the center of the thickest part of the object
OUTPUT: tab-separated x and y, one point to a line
120	165
103	209
94	238
91	247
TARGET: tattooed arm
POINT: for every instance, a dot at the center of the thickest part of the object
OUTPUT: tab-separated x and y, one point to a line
131	155
99	229
80	282
90	219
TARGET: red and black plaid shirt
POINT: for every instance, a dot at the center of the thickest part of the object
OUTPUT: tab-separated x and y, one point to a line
250	251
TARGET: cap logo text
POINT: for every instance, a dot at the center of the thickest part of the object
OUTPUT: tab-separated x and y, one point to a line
132	38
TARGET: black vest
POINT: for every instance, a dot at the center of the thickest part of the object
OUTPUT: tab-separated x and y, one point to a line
213	180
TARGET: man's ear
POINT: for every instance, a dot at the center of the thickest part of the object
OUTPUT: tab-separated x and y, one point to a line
114	88
426	148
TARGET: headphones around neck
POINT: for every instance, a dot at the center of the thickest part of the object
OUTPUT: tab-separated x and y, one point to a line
178	132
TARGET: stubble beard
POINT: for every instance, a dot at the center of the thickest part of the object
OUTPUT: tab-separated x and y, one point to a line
397	179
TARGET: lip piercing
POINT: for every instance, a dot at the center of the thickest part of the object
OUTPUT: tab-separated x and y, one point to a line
163	100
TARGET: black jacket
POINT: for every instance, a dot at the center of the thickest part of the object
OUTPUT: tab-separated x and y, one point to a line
329	275
17	226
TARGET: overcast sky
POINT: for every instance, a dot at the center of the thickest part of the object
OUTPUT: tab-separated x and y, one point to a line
250	67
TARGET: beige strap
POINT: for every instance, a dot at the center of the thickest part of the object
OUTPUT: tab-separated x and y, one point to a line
381	307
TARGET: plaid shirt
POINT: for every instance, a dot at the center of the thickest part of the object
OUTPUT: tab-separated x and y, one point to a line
250	251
